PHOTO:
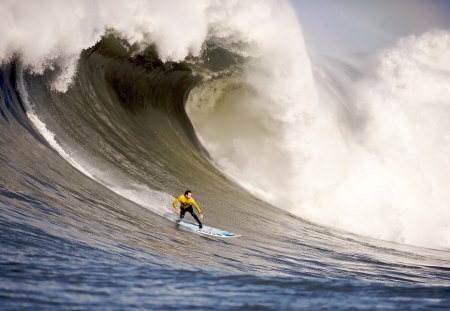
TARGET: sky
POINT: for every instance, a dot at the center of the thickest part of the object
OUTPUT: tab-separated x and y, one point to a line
367	25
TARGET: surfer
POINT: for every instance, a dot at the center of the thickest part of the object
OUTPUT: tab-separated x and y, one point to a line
186	201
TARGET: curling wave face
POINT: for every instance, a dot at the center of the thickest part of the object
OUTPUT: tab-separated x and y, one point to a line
145	150
329	148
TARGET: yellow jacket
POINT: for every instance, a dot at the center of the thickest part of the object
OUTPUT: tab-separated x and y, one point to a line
185	202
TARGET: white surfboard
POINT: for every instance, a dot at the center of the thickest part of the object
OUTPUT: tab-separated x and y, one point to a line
208	230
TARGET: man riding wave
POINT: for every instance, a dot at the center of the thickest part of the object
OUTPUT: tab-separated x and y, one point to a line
186	201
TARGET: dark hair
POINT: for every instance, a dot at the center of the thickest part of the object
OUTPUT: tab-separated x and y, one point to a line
187	192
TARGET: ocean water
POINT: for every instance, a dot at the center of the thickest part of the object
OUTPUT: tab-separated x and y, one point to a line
332	168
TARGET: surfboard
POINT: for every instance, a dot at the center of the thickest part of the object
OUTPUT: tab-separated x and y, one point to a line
208	230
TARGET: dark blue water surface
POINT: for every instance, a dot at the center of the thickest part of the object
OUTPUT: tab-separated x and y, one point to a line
41	271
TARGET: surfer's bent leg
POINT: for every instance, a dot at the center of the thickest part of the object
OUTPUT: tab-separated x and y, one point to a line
191	210
182	212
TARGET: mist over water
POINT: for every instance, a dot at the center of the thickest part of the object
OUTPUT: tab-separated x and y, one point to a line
366	155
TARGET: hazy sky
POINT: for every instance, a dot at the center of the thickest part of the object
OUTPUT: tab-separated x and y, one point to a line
367	25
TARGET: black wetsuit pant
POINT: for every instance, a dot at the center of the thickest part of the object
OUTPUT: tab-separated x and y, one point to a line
190	210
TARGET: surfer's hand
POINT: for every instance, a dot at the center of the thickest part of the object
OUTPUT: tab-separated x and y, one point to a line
201	216
177	210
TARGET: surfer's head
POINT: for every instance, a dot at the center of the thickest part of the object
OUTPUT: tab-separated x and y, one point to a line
188	194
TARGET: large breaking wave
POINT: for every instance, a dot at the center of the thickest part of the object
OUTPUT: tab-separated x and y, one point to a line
363	148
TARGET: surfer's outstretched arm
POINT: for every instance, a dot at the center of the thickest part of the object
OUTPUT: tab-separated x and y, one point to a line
174	204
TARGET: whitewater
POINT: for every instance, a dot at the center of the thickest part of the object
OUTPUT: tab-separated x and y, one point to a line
332	166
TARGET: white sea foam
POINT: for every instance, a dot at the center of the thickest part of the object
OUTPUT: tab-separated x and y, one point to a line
50	32
386	178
